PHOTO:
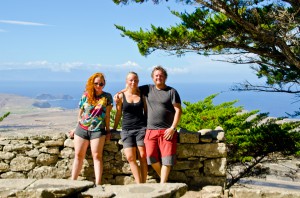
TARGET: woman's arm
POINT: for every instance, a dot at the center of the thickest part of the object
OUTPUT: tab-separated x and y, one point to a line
72	131
119	112
79	115
107	122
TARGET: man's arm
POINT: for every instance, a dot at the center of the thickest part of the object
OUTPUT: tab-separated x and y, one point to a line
178	112
117	96
170	131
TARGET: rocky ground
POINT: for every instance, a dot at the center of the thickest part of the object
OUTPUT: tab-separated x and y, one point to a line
27	119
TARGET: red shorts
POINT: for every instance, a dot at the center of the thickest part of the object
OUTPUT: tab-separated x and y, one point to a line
159	149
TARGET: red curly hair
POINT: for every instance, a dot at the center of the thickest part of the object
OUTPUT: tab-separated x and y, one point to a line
89	87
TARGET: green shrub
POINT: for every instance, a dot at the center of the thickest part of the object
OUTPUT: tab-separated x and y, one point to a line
4	116
112	119
204	114
247	136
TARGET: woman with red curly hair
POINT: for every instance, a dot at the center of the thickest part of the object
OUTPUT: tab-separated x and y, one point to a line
93	125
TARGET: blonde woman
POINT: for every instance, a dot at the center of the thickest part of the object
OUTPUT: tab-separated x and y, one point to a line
133	108
163	115
93	125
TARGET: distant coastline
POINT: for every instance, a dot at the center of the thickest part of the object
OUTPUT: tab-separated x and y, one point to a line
26	118
47	96
17	104
274	103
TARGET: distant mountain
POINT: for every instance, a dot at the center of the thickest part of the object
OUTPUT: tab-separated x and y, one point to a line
41	104
53	97
65	97
45	97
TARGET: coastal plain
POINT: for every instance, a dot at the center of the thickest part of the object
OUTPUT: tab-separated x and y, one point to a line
25	118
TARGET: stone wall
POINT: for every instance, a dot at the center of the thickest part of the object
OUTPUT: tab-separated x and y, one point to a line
201	159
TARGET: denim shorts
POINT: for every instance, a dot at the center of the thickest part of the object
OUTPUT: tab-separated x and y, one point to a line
88	135
133	137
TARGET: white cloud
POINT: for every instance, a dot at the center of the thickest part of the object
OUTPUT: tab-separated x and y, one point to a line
68	66
31	65
129	65
22	23
177	70
172	70
192	70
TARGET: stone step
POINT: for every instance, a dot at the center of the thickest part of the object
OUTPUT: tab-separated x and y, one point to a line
259	188
41	188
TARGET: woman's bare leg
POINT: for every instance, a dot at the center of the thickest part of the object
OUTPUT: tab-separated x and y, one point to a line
143	163
80	147
130	154
97	146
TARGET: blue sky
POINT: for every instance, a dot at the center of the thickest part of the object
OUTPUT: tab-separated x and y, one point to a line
64	40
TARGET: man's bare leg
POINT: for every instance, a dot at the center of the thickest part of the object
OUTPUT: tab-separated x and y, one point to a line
157	167
165	171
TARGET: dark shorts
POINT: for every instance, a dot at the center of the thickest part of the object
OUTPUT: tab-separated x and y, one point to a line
89	135
133	137
158	149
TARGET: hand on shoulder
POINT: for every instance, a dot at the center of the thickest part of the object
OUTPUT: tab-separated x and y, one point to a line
118	97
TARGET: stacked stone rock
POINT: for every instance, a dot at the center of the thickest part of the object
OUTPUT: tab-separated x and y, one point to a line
201	159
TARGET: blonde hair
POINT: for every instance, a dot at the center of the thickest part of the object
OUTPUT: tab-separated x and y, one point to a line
89	87
134	73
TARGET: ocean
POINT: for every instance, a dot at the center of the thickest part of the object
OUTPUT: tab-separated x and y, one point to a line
277	104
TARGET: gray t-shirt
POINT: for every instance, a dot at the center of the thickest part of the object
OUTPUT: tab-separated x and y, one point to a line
160	110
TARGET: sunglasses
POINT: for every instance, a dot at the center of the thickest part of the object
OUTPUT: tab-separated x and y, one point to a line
99	84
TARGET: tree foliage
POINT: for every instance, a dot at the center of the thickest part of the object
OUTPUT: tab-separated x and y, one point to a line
248	136
263	33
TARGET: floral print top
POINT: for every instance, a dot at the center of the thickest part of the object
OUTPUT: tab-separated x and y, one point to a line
93	117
